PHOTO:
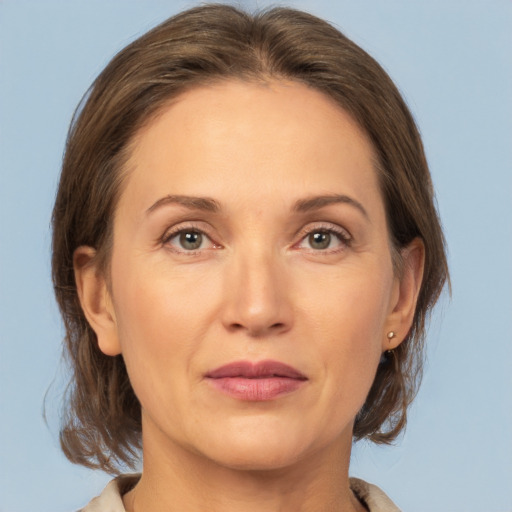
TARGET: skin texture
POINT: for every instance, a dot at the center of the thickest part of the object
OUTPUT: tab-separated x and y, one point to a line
257	288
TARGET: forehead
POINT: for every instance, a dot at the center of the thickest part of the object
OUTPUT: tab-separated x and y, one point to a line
252	141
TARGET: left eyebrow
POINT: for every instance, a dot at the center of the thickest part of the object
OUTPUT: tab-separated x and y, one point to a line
317	202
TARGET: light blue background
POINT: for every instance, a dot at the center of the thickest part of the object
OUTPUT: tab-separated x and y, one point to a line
452	60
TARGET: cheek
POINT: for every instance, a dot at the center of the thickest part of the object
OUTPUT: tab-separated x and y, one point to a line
351	304
346	321
159	328
155	303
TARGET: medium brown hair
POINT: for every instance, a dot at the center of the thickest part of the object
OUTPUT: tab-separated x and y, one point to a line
102	424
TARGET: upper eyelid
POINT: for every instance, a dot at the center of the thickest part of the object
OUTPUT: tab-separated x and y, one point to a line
326	226
171	233
198	226
205	229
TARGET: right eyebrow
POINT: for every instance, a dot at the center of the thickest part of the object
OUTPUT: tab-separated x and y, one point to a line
191	202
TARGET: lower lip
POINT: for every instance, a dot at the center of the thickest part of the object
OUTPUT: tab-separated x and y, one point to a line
256	390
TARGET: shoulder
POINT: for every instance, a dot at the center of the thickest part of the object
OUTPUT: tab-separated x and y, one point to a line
372	496
110	500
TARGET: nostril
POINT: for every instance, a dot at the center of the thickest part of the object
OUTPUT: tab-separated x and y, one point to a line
257	330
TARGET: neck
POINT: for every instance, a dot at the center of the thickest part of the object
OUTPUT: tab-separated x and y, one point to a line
177	479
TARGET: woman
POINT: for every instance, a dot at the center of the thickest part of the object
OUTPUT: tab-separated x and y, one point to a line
245	252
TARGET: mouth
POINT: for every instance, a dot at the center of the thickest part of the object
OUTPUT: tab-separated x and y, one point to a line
261	381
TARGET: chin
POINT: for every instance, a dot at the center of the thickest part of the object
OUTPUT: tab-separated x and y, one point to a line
257	458
258	448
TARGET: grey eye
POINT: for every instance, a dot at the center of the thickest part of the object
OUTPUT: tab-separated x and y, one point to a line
319	240
190	240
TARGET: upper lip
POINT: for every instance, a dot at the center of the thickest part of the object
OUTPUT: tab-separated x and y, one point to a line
256	370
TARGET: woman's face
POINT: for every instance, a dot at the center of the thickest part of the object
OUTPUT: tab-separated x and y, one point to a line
252	285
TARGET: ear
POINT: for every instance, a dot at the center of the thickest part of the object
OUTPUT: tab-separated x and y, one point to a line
405	295
95	300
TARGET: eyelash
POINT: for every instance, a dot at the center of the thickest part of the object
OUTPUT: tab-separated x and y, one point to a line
189	228
341	234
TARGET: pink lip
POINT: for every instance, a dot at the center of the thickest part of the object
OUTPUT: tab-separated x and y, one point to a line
261	381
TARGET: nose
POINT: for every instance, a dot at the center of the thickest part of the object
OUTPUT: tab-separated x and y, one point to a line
257	296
